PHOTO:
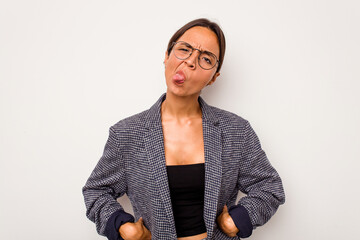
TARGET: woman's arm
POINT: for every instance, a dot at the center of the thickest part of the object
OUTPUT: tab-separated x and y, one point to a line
262	184
105	184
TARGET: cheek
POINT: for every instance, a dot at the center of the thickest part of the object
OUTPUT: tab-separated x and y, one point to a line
171	60
206	78
169	70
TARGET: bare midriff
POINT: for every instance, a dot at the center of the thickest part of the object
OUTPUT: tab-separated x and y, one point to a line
195	237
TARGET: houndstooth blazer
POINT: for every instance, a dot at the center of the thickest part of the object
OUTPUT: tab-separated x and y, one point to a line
133	163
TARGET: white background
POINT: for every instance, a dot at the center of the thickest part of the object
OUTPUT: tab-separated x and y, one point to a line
71	69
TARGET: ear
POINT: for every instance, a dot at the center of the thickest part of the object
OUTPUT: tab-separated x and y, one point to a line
213	78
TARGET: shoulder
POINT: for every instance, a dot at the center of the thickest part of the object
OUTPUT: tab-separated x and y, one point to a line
131	124
227	118
142	120
233	126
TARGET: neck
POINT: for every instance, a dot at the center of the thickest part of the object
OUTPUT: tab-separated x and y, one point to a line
180	107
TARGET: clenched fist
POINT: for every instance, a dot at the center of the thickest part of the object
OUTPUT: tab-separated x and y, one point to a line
226	223
135	231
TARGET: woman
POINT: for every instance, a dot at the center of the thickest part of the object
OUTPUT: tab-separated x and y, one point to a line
182	162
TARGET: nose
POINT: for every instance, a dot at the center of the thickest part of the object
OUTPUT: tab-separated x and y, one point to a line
191	61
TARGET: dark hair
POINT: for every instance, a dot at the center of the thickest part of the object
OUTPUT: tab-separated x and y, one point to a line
201	22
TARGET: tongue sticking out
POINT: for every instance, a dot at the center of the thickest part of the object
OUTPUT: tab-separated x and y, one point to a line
179	78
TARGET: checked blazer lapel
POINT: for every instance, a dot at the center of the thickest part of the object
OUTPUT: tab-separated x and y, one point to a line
213	169
154	144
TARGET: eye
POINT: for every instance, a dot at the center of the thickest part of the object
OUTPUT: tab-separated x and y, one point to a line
207	60
184	49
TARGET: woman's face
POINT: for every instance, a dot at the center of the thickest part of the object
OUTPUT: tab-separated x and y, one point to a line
186	77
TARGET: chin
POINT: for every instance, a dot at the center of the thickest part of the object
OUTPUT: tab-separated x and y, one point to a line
183	93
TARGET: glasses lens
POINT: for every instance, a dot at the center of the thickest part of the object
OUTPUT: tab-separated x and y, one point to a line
182	50
207	60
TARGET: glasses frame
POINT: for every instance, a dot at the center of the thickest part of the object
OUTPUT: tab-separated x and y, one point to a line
192	50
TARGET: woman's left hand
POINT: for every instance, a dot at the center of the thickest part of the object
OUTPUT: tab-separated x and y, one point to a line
226	223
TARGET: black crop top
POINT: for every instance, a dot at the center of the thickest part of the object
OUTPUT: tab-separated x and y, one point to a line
187	186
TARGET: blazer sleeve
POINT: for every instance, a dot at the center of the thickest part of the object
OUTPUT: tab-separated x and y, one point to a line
259	181
105	184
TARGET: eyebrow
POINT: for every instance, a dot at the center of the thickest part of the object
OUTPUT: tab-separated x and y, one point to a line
204	51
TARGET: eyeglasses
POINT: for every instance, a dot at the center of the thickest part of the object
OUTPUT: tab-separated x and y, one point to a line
183	50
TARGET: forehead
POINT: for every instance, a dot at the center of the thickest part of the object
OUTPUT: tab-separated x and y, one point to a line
202	38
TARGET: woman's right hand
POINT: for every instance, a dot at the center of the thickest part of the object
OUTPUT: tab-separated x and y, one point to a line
135	231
